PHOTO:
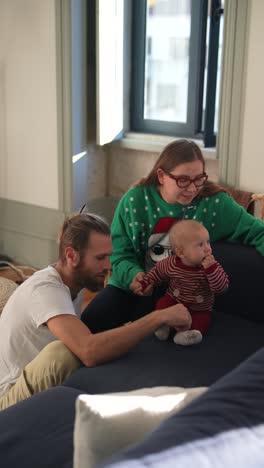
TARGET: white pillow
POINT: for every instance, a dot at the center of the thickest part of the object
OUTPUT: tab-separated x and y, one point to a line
108	423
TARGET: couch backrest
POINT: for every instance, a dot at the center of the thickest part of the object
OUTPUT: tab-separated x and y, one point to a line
245	267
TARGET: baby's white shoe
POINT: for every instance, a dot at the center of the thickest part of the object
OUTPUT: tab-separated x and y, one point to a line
162	333
188	337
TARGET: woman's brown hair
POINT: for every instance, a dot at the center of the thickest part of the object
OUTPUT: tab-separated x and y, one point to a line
174	154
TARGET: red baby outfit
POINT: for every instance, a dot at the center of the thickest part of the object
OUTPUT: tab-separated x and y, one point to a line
194	287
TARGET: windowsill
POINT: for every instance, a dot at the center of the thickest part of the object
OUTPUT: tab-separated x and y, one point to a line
155	143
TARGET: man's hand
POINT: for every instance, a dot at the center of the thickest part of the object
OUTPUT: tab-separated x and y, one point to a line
176	316
136	286
208	261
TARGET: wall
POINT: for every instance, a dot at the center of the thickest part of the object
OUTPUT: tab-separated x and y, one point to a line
33	174
126	166
252	155
28	103
89	172
43	123
89	176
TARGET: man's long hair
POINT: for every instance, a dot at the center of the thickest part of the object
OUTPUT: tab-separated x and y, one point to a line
76	231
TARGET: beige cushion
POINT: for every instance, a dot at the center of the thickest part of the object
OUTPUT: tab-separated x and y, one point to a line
7	287
108	423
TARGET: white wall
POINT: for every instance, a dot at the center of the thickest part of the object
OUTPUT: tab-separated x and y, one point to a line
89	176
28	102
126	166
252	151
89	172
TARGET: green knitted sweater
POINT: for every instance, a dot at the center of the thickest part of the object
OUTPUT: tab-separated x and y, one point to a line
141	208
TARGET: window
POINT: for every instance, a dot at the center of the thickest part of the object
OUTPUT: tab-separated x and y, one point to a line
176	67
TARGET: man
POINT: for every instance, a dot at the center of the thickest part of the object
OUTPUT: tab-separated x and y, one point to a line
43	340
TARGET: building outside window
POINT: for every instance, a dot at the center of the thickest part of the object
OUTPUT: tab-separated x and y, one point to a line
176	69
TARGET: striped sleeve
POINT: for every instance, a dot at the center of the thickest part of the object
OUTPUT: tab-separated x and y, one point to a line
162	271
217	278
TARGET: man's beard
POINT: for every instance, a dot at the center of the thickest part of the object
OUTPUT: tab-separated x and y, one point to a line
85	279
91	284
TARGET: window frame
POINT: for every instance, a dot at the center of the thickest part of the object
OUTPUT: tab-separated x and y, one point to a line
209	135
193	127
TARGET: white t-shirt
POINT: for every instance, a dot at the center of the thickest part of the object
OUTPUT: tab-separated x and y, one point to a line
23	333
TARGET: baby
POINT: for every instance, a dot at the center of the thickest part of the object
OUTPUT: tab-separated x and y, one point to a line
193	276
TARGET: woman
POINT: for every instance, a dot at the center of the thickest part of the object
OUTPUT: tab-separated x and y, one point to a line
176	188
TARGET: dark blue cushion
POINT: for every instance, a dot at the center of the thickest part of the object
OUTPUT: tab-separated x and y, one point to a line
38	432
223	427
245	268
229	341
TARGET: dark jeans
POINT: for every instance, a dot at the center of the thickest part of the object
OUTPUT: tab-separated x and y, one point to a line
113	307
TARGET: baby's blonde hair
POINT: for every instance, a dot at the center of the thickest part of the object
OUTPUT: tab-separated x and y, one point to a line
183	231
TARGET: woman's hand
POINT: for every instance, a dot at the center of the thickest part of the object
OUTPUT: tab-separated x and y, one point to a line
136	286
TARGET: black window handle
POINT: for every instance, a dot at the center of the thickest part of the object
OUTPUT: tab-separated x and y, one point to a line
217	10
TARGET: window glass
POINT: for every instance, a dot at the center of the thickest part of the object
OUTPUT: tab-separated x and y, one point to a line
168	28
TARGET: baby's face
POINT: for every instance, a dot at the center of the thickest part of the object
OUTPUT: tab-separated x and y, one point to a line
196	247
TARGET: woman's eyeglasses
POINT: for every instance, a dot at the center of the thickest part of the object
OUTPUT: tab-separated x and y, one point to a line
185	181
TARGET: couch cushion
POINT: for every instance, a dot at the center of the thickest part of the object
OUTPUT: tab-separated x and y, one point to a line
38	432
245	268
229	341
223	427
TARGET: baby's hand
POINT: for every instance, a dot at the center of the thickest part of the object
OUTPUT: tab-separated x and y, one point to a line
208	261
139	286
147	288
136	286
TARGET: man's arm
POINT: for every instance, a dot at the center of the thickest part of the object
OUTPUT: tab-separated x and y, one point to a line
94	349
